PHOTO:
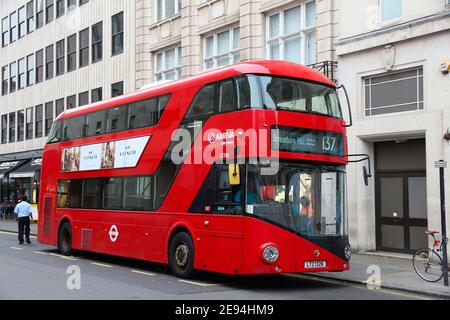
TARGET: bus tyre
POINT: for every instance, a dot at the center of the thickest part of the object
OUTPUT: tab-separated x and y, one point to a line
65	239
181	255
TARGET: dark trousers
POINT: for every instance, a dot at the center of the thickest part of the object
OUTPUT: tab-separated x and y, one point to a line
24	223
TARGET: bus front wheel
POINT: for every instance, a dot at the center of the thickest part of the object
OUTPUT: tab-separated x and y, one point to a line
181	255
65	239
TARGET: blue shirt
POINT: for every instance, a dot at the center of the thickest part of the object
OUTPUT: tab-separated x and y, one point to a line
23	209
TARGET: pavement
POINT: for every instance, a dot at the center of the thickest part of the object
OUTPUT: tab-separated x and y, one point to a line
375	270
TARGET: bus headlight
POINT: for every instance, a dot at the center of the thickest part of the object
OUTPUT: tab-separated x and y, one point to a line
347	251
270	254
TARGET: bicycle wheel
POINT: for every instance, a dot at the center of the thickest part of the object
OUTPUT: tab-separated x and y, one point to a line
428	265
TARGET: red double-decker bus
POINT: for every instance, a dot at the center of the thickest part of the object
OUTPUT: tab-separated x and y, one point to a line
238	170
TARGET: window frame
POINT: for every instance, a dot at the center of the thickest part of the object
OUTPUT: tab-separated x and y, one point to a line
20	125
39	77
97	43
21	24
84	49
164	71
368	111
60	57
49	7
119	34
31	70
232	53
72	53
30	17
49	62
303	33
160	12
389	20
40	19
21	74
39	121
5	33
29	123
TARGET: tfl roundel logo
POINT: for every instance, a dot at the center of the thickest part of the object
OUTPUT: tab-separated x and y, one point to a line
113	233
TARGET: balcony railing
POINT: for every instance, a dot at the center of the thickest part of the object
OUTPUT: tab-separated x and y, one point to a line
328	68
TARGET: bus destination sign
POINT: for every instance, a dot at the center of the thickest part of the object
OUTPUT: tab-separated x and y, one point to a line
301	140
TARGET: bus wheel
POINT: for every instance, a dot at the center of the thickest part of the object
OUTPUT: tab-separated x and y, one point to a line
65	239
181	255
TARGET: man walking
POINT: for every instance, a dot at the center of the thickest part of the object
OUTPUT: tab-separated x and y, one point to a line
24	215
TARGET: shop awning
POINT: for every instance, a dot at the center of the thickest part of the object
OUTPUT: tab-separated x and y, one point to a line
8	166
28	170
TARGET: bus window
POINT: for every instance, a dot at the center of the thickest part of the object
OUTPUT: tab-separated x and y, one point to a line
116	119
55	134
203	105
249	94
112	193
217	195
143	114
73	128
91	194
138	193
95	123
227	97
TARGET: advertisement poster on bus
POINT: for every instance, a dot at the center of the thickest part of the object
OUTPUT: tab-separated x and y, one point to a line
108	155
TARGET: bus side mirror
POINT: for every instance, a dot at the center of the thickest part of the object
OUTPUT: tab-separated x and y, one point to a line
234	174
348	105
366	176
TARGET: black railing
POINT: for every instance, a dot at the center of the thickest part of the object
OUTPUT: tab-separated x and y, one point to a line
328	68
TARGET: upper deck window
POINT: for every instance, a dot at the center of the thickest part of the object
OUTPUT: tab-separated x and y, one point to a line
300	96
139	114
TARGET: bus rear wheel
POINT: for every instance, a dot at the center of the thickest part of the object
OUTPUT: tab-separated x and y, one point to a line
65	239
181	255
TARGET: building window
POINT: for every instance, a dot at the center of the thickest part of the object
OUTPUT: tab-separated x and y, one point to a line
83	2
4	128
48	117
72	53
5	80
97	95
39	66
292	38
60	9
12	127
5	32
71	102
20	125
30	70
83	99
394	92
49	11
30	16
60	57
13	27
166	8
168	64
13	77
22	22
390	9
117	89
38	121
39	13
97	42
49	62
22	76
84	48
59	107
29	124
117	34
222	48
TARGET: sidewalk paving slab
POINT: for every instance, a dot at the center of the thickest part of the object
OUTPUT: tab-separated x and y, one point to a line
396	273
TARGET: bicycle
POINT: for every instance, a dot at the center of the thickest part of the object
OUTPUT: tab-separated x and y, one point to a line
428	262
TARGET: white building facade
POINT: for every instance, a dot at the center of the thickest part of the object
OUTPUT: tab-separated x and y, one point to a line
390	54
56	55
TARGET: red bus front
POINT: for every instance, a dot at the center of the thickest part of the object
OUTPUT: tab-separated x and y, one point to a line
243	172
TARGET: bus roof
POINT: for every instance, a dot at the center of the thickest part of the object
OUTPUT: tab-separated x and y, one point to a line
261	67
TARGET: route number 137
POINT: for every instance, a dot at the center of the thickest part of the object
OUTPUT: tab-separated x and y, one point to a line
328	143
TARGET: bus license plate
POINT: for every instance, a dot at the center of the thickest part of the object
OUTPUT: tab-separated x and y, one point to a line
315	264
